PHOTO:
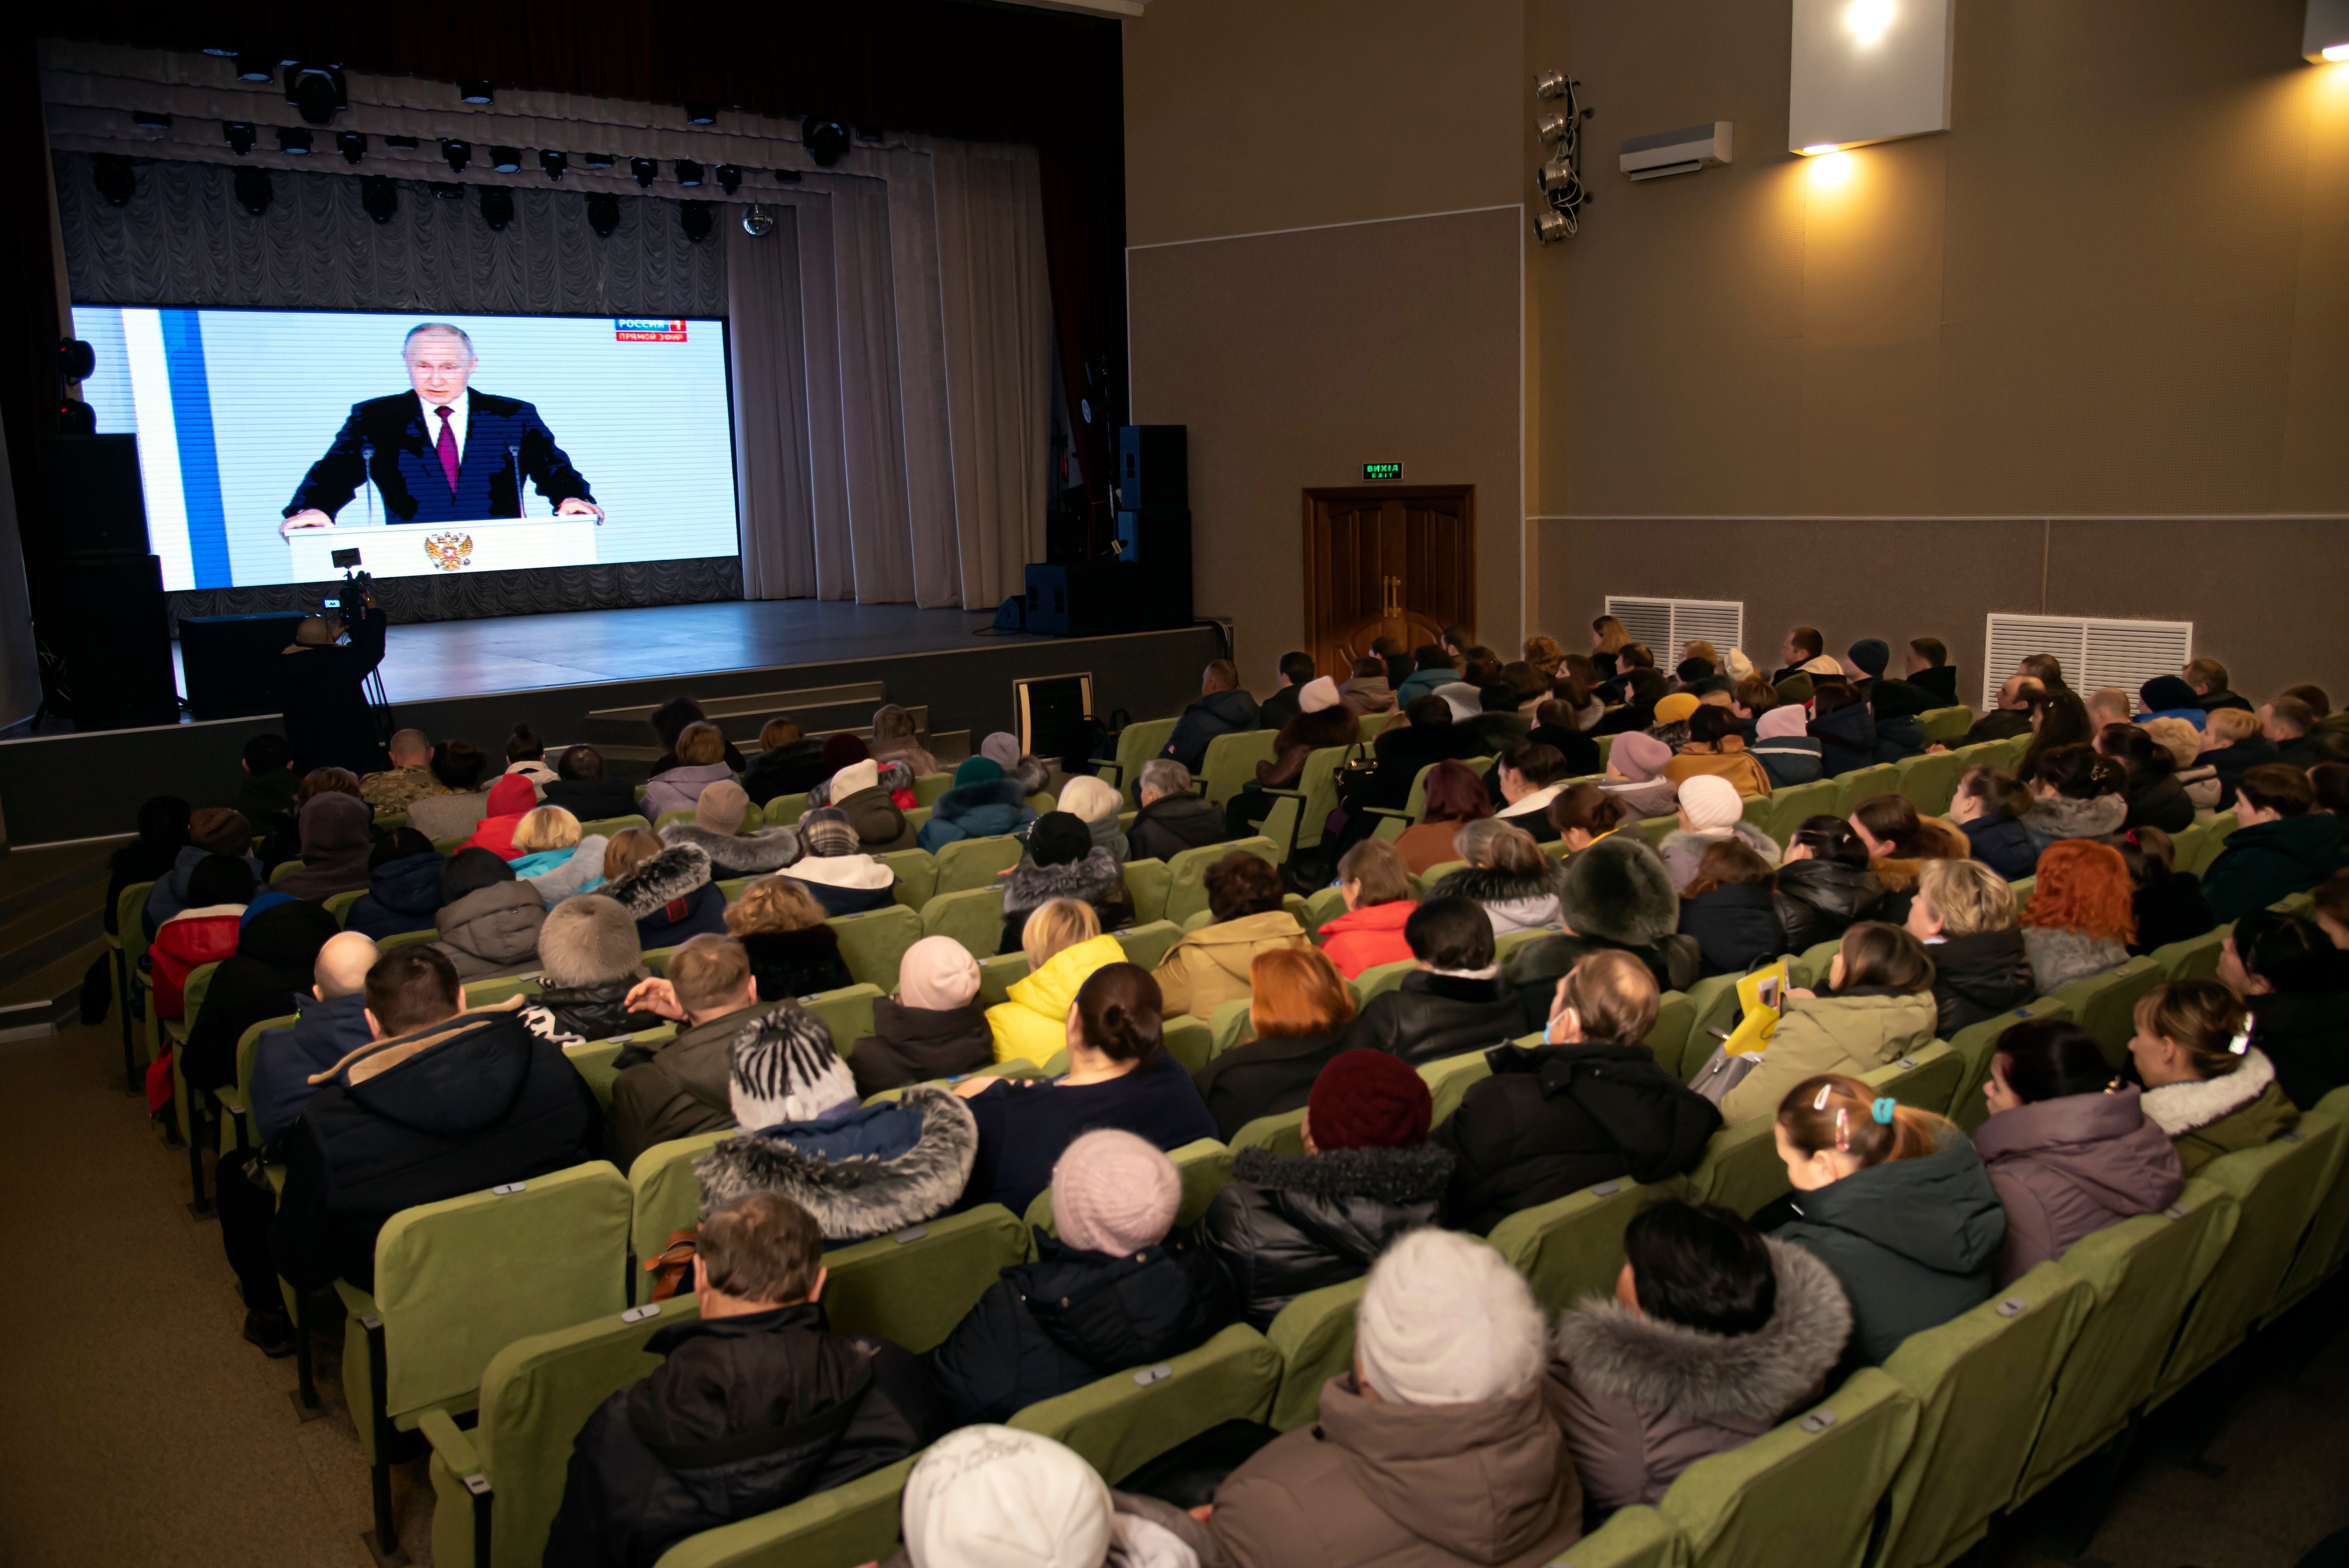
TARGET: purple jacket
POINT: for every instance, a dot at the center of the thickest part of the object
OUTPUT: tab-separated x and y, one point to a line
2066	1167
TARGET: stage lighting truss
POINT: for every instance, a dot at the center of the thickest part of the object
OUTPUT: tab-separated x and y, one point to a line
1559	179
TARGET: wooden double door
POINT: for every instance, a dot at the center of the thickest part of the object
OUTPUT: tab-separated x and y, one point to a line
1386	560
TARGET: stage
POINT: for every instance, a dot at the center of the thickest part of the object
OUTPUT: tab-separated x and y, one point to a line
565	675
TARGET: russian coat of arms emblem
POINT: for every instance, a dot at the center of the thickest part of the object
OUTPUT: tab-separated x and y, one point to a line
449	552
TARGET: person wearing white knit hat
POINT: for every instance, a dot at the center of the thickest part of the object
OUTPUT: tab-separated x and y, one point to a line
1710	810
1318	693
1439	1447
995	1497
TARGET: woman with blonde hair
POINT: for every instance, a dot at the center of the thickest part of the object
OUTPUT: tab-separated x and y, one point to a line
1096	802
1608	640
1964	914
1299	1008
793	952
2234	742
1545	655
1064	944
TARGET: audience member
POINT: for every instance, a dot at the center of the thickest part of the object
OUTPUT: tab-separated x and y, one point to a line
403	887
1545	655
2045	668
1895	1202
447	1102
1173	817
2068	1144
1096	802
2194	775
2059	720
934	1027
1877	1007
489	920
1897	708
1002	749
2281	844
1714	1334
1614	895
754	1406
793	952
2107	707
205	932
1288	1224
680	1088
1927	667
1119	1075
1529	775
1063	863
874	797
267	784
1585	814
1288	680
510	799
1844	728
271	965
1588	1105
1452	798
669	890
547	839
1209	966
2332	908
210	831
1507	876
1298	1012
459	766
844	877
2207	1086
336	836
1899	841
527	757
1635	768
2010	716
2155	799
1783	745
1366	690
580	788
163	821
2168	903
2293	980
409	778
1222	709
1989	807
1823	883
1455	1001
671	721
1376	884
2168	696
1805	653
2330	782
2206	679
790	762
1710	813
1964	915
897	738
2232	745
983	804
700	751
1608	640
588	964
1064	945
1558	726
717	831
1447	1383
984	1496
2082	913
1729	909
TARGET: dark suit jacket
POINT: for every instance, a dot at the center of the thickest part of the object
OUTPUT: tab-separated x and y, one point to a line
500	432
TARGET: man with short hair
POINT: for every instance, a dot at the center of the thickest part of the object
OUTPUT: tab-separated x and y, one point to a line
680	1090
755	1404
1457	642
409	778
2209	678
1174	816
2281	844
1222	709
2045	668
2291	724
1805	651
442	1103
267	785
581	789
2011	717
321	686
1295	670
1927	663
2108	705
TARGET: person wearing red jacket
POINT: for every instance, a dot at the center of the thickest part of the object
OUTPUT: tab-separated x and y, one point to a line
512	798
204	933
1377	885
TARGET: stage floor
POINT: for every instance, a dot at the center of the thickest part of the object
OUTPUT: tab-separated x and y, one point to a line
438	659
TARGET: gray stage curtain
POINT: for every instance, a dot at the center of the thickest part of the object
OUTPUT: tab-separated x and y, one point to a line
767	339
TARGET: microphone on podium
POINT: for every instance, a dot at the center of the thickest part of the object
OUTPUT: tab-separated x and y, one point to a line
513	462
367	477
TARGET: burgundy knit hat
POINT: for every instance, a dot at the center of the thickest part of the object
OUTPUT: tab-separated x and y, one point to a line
842	749
1369	1100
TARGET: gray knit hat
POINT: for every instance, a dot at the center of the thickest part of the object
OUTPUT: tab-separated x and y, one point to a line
588	941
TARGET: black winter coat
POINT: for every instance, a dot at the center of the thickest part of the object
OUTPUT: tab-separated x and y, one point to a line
1053	1326
2170	909
593	800
1735	928
1430	1016
596	1012
792	769
1980	977
915	1044
1264	1077
744	1415
795	963
1999	724
1401	754
1288	1224
2003	845
2305	1036
266	977
1580	752
2233	762
1554	1120
1173	823
1847	738
2158	801
1818	899
1536	967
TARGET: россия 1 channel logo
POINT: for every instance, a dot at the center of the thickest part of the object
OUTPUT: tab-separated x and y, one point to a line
649	331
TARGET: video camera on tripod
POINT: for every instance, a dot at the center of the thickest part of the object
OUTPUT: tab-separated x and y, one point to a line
357	585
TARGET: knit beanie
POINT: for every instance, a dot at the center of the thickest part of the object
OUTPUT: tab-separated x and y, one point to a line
935	974
854	777
1676	708
1115	1193
589	940
1318	694
1641	756
1710	803
1060	839
978	770
1444	1320
336	821
1781	721
826	830
995	1497
511	796
2159	694
722	807
218	830
785	1070
1871	655
840	750
1736	666
1369	1100
1795	688
1002	749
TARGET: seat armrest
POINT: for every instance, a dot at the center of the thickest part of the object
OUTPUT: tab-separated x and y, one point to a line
454	1445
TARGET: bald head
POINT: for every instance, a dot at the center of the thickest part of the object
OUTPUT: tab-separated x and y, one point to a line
316	631
410	748
2018	691
343	965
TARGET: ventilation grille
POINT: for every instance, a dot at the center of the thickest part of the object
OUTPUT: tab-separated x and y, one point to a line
2124	653
1666	626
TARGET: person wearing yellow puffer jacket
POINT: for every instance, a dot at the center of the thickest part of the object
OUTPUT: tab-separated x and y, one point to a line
1064	944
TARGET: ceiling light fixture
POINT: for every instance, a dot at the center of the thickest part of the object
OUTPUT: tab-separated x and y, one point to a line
1869	21
475	92
826	140
757	224
688	172
1864	71
238	134
701	114
457	153
551	163
293	139
351	144
2324	36
506	159
644	170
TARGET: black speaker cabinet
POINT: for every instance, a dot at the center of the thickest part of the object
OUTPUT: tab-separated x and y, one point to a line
1152	469
231	662
118	643
96	509
1101	598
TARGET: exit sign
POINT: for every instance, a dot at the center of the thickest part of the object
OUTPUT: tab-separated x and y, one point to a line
1375	471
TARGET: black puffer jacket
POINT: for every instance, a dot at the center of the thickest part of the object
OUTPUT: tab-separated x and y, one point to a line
1980	977
2158	801
1288	1224
1266	1076
1173	823
795	963
915	1044
743	1415
1554	1120
1055	1324
1818	899
2168	909
1430	1016
1735	928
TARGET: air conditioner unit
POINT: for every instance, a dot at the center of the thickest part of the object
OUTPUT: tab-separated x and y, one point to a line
2093	652
1667	624
1683	151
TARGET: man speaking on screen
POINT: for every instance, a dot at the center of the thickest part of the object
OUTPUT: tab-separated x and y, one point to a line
442	452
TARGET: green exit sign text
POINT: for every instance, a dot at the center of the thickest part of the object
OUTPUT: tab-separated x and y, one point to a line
1373	471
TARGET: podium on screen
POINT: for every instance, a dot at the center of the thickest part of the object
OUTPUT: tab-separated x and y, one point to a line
445	548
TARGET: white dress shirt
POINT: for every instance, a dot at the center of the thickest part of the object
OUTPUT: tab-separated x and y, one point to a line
457	412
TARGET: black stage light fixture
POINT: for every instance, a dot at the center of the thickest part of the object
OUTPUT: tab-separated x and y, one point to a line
238	134
75	418
475	92
150	120
318	91
405	143
351	144
448	190
253	189
826	140
506	159
644	170
457	153
496	206
701	114
254	66
729	177
603	214
293	139
380	196
694	217
552	162
77	361
688	172
790	176
110	172
596	160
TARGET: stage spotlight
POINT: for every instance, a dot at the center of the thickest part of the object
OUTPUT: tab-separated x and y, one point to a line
693	216
475	92
448	190
150	120
603	214
405	143
457	153
77	361
757	224
644	170
701	114
111	173
826	140
75	418
596	159
239	136
254	67
379	197
496	206
351	144
293	139
552	162
253	189
688	172
506	159
729	177
318	91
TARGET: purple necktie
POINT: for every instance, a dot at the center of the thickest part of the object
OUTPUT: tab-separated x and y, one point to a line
448	449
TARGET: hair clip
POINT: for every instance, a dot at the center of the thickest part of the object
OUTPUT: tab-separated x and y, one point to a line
2242	1042
2131	837
1842	1129
1820	1103
1883	1109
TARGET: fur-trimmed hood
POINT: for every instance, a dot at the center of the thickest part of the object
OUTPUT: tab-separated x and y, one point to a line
1747	1380
826	1167
668	876
1399	1176
2181	1108
1490	885
2050	821
1096	880
737	855
1618	891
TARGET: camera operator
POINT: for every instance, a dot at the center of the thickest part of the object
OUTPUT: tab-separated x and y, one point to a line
323	680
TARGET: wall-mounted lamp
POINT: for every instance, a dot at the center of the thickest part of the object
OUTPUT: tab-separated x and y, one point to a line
2324	40
1870	70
